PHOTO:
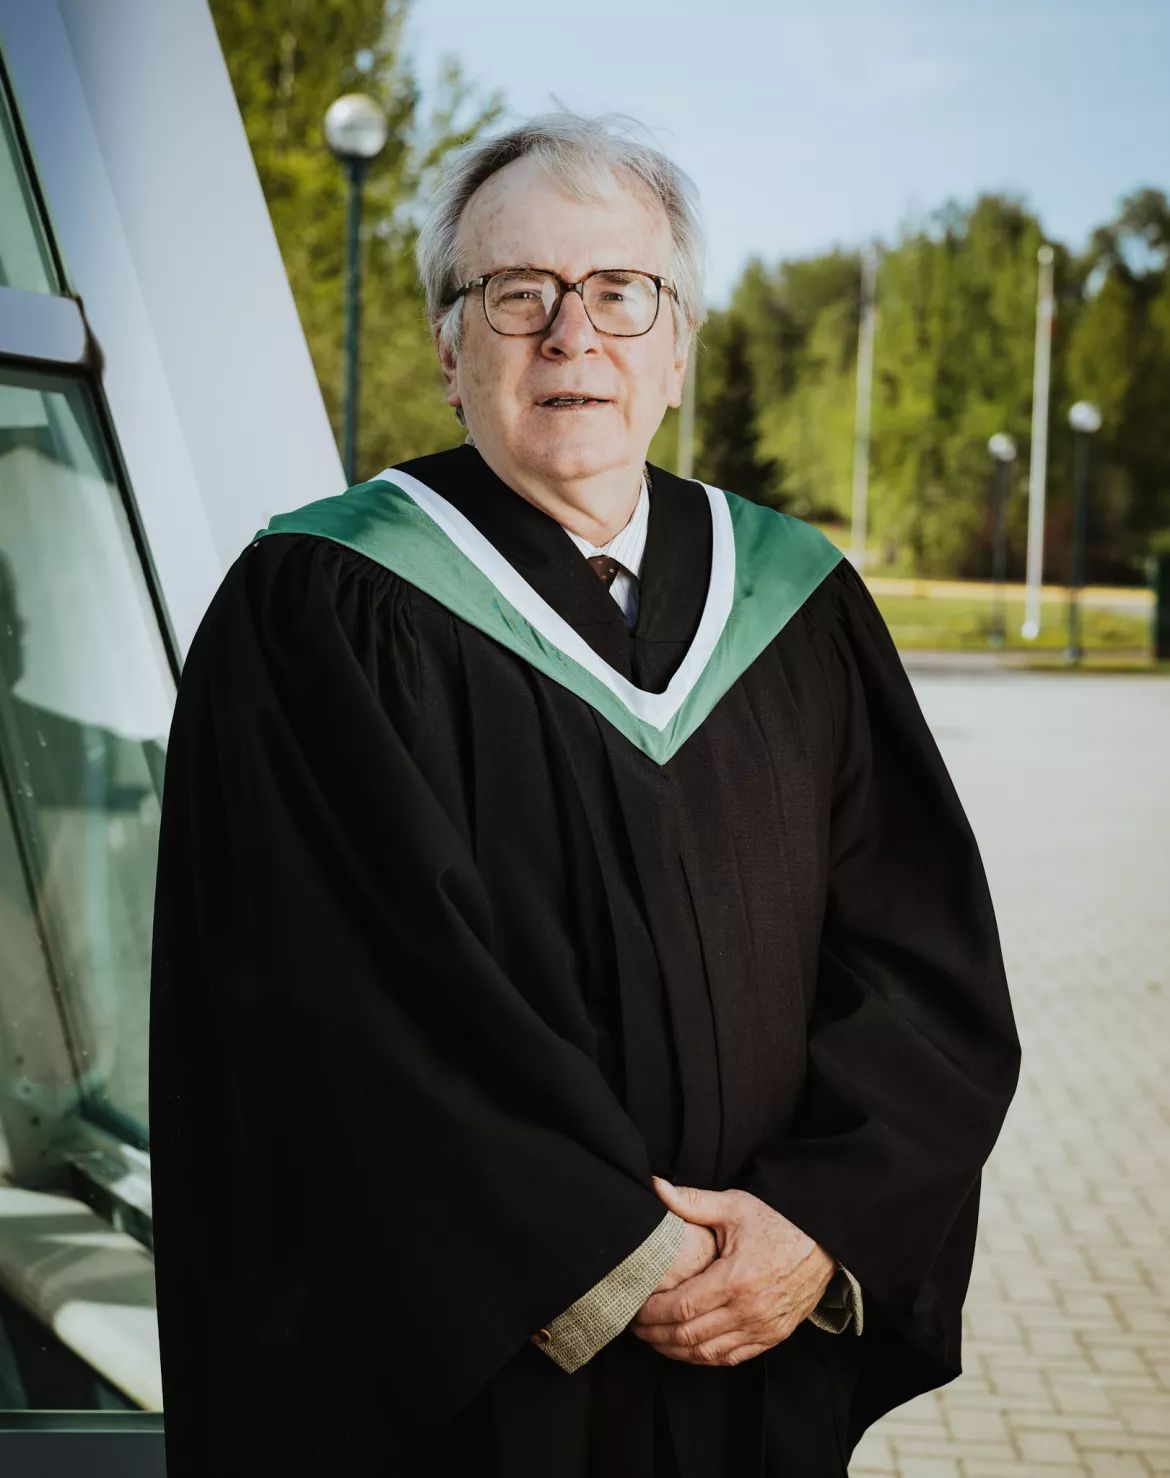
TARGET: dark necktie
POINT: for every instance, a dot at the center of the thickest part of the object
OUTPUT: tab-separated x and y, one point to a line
606	568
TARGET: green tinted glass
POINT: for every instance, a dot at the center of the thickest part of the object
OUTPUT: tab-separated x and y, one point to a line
25	260
86	693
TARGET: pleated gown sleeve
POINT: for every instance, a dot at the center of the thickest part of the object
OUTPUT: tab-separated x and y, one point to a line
913	1055
376	1170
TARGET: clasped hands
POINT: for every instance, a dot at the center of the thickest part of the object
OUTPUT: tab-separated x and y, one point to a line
742	1281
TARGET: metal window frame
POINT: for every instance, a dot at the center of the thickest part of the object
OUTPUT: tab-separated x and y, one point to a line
42	331
46	334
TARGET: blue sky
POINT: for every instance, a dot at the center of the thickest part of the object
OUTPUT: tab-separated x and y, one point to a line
829	122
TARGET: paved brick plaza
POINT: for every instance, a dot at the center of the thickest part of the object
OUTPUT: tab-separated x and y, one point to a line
1066	778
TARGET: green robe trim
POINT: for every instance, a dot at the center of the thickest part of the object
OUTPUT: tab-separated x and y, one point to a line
765	565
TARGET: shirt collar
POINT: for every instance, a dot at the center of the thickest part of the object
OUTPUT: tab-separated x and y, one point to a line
628	545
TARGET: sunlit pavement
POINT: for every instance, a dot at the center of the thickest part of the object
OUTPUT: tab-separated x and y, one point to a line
1066	779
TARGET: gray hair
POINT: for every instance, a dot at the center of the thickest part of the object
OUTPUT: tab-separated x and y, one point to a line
584	156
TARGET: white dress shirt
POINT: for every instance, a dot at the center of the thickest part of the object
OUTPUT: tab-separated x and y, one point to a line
627	547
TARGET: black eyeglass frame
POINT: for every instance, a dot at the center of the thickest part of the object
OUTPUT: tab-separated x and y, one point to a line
563	287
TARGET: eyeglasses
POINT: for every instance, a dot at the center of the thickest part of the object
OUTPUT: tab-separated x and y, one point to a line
525	300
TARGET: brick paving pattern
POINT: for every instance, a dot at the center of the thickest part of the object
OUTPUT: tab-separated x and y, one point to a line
1066	779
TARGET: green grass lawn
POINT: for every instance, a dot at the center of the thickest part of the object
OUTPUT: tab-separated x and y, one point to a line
922	623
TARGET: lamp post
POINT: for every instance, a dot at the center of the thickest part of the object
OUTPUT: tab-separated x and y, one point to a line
356	131
1003	452
1085	420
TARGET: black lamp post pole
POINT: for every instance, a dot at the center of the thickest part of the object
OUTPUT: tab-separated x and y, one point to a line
356	131
999	555
1077	556
356	169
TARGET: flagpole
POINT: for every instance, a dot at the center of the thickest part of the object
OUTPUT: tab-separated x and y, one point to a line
1038	469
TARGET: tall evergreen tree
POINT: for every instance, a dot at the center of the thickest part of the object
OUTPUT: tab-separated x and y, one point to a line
725	418
801	321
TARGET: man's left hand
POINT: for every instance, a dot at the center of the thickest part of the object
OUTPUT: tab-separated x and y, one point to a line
768	1277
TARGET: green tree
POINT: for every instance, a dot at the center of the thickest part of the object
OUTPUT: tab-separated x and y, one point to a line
727	433
288	60
1119	358
953	365
801	324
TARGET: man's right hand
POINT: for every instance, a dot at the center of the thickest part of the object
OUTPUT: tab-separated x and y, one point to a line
697	1253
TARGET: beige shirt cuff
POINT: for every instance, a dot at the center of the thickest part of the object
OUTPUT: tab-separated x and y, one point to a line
840	1304
604	1311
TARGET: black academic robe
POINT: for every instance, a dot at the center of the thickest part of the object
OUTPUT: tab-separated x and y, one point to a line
446	967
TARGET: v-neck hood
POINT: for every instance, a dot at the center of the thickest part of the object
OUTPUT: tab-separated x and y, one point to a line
505	566
675	569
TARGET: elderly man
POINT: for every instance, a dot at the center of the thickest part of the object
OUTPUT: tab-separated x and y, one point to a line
578	1020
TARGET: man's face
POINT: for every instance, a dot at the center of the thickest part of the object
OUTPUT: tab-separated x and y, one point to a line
503	382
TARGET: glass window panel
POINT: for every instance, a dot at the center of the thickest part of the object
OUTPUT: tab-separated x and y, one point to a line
25	260
85	705
86	694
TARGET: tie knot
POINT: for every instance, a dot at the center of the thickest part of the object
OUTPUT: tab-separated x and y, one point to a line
605	568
